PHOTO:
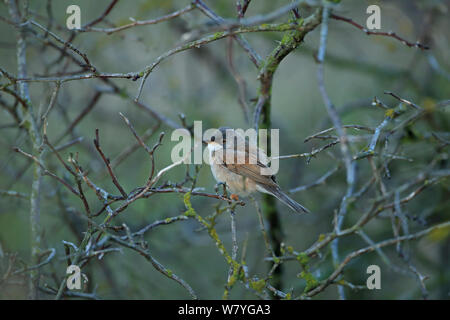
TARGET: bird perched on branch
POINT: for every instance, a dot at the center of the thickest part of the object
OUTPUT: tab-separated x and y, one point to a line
243	167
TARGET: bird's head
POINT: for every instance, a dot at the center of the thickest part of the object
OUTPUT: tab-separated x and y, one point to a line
219	137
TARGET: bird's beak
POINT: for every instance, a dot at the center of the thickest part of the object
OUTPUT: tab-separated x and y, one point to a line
204	142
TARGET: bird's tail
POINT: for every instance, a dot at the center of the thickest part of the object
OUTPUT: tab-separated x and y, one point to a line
280	195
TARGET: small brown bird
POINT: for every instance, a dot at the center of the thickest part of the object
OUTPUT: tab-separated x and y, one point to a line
240	167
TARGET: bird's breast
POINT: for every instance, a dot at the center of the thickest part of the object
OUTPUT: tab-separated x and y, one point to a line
235	183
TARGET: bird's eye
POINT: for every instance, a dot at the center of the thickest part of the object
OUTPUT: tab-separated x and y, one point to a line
213	138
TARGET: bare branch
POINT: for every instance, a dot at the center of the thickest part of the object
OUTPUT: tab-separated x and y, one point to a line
108	166
377	33
135	23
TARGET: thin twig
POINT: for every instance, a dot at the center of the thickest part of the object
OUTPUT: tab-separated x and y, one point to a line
377	33
108	166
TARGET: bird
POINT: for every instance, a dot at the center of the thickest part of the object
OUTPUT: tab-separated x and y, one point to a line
239	167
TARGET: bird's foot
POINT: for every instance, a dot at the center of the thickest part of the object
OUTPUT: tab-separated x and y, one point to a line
224	184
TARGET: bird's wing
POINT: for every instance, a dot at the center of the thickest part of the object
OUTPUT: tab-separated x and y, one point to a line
249	169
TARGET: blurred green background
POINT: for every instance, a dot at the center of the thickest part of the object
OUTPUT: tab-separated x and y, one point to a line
198	83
